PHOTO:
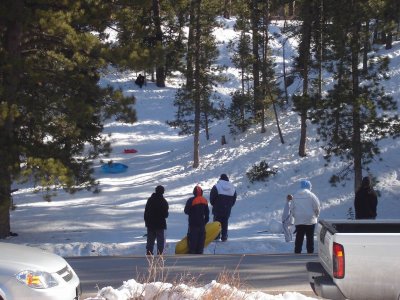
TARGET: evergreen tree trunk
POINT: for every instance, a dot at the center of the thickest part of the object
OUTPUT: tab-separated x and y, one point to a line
190	47
227	9
336	112
197	94
8	155
276	117
304	57
366	47
285	79
277	121
356	138
320	47
256	55
206	128
291	8
375	35
160	69
389	40
264	70
303	133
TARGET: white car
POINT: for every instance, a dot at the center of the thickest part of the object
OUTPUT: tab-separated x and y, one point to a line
28	273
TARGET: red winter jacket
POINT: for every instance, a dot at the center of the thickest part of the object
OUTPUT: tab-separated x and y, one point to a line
197	209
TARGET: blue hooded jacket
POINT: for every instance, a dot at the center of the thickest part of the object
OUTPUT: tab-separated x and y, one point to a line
223	197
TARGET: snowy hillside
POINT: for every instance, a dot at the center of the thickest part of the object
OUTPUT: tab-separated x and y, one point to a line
111	222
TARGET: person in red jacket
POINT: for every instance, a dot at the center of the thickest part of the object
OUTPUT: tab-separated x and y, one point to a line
197	209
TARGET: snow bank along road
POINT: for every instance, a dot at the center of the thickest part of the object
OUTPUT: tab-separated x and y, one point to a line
270	273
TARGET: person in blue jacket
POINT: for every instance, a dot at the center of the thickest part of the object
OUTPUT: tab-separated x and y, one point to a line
223	198
197	209
305	210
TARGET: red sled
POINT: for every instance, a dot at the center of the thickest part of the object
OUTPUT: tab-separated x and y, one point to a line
130	151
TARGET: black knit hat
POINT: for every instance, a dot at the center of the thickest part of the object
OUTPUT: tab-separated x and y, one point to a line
224	177
197	191
160	189
366	182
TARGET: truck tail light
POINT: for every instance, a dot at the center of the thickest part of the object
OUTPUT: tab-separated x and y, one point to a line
338	261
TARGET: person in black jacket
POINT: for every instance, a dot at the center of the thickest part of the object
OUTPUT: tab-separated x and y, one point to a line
155	215
222	199
197	209
366	200
140	80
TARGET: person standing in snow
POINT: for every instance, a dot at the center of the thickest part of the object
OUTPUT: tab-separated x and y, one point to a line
140	80
155	215
197	209
366	200
305	211
287	219
223	198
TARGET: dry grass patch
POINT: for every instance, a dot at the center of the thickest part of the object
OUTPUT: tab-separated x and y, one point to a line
228	285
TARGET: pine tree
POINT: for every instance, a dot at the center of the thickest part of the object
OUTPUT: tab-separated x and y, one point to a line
253	24
240	111
52	109
357	112
271	93
148	32
158	40
391	20
195	108
303	102
255	29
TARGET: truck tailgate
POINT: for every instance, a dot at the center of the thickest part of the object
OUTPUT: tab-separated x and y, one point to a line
372	263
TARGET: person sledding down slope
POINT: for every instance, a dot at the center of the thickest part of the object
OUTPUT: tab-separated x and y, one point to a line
223	198
197	209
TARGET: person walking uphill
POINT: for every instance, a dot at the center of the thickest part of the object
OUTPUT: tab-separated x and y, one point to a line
305	210
155	215
366	200
223	198
197	209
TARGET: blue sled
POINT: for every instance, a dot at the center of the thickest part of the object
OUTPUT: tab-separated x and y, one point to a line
114	168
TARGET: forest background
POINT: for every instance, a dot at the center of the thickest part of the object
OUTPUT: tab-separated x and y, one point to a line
53	54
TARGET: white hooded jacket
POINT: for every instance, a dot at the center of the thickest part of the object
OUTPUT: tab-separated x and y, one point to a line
305	207
225	188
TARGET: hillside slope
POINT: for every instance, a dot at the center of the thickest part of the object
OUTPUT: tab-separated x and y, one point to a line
111	222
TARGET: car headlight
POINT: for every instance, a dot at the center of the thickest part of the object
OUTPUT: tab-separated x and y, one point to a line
37	279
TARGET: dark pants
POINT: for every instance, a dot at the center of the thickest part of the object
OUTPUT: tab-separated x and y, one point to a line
196	239
152	235
301	231
224	226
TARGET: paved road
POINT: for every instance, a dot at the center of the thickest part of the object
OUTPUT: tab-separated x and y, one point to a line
273	273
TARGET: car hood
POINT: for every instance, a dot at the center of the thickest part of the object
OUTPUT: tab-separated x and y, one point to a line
15	258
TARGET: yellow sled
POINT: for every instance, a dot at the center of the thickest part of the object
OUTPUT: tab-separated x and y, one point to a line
212	231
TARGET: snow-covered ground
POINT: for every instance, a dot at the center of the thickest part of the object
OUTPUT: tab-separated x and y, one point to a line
111	222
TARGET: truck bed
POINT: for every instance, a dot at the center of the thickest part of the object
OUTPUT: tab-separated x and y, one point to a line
362	226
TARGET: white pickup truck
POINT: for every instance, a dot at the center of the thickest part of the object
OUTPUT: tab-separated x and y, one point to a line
358	259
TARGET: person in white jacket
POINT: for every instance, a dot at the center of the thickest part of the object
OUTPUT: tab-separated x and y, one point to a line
305	211
287	219
223	198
